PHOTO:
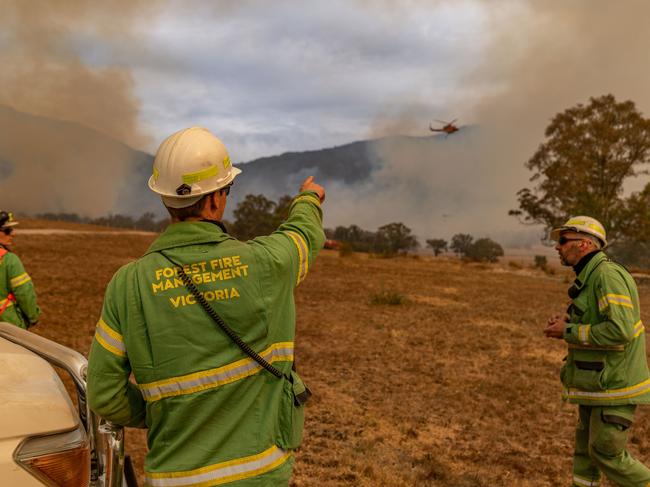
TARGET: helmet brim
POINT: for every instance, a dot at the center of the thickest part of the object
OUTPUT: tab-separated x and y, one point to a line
175	201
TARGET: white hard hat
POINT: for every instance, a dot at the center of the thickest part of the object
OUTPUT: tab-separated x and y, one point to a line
582	224
189	164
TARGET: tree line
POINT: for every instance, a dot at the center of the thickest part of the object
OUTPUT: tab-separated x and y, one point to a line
257	215
146	222
464	246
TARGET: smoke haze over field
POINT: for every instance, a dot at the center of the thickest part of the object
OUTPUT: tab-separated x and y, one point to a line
43	73
558	54
304	77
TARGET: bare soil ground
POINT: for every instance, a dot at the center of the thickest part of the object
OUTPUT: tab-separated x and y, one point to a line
455	387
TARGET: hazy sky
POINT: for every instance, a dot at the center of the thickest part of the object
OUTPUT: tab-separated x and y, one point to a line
270	77
276	76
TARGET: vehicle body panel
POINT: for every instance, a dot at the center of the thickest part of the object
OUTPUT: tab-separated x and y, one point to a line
34	400
10	472
34	403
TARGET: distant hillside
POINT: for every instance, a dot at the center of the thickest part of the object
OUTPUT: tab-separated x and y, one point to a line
436	185
67	167
275	176
56	166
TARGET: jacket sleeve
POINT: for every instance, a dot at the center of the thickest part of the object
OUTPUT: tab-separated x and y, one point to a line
618	309
110	392
297	241
22	287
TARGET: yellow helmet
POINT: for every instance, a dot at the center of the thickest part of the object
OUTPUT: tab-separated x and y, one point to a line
582	224
189	164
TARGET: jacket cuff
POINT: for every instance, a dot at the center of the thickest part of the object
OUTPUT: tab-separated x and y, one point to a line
577	334
311	196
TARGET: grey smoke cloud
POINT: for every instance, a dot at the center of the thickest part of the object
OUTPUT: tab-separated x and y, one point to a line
47	51
275	77
556	55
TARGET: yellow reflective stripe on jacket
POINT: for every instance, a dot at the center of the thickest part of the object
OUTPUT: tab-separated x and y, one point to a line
308	197
208	379
221	473
605	348
8	302
617	299
638	328
585	481
632	391
303	255
19	280
110	339
583	334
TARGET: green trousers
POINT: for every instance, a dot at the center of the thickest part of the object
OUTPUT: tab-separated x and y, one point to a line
601	437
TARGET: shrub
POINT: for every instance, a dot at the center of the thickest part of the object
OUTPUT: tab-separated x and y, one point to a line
346	249
394	238
460	243
388	297
541	262
438	245
484	250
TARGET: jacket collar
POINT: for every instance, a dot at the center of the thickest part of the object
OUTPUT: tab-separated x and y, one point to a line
594	261
186	233
583	262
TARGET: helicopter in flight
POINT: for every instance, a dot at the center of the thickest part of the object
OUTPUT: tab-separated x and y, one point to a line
447	128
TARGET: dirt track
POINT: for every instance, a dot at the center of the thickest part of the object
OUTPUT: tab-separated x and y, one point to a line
457	387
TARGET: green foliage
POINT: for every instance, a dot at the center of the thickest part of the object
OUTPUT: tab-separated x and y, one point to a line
256	215
346	249
438	245
484	250
387	241
394	238
460	243
541	262
387	297
360	240
580	168
631	253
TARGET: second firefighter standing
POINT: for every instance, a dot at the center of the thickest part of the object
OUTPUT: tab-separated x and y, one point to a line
17	294
606	369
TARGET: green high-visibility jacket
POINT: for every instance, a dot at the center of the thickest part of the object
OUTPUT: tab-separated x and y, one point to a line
17	293
213	415
606	363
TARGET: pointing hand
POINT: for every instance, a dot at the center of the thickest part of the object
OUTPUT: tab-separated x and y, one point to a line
310	185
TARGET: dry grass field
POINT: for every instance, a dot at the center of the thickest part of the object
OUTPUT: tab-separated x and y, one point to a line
456	386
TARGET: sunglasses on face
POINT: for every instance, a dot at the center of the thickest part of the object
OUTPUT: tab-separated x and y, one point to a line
564	240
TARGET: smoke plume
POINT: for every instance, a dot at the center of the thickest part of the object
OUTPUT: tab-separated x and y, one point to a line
48	55
543	57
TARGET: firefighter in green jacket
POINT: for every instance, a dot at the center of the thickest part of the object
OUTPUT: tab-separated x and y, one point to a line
214	416
606	369
17	295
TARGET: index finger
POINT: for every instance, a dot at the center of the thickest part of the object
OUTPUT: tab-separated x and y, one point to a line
308	180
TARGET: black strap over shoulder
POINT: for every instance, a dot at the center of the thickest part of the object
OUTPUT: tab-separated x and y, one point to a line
222	324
